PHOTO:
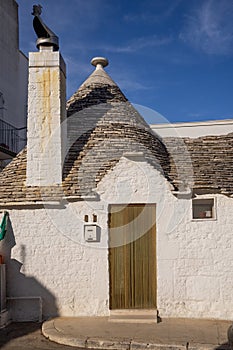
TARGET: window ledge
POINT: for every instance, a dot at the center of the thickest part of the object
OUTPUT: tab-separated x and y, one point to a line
204	219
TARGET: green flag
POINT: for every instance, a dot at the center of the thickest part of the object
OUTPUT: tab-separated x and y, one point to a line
3	225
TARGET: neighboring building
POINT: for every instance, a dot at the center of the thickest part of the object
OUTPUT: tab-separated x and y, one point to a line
105	215
13	84
194	129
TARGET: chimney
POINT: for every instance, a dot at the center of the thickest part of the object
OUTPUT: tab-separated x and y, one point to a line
46	109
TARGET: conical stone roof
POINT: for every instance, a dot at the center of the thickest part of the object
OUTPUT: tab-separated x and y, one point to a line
97	88
102	126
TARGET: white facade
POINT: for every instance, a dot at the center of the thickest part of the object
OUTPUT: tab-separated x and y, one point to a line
49	261
194	129
47	256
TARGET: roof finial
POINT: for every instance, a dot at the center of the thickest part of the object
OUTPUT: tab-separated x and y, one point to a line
46	37
37	10
99	62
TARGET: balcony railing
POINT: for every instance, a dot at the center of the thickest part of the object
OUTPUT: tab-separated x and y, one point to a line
10	138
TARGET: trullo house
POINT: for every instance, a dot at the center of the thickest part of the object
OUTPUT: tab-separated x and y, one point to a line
105	215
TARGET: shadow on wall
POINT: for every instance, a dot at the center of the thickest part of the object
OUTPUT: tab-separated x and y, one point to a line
24	292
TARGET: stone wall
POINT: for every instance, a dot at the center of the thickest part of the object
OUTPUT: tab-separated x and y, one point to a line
194	261
46	254
46	112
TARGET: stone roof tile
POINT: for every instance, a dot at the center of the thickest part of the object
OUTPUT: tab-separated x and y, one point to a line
102	127
211	161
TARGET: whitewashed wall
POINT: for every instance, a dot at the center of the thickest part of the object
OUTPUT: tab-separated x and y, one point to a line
195	275
194	129
55	263
194	259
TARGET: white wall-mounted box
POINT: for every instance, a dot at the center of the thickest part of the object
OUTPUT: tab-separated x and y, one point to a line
91	233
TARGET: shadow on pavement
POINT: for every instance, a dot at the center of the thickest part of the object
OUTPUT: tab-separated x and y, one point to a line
17	330
27	336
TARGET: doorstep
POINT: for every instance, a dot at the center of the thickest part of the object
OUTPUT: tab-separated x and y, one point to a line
134	316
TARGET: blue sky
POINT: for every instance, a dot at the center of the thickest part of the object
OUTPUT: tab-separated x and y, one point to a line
174	57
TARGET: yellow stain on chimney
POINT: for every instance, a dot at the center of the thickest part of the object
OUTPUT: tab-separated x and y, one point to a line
49	82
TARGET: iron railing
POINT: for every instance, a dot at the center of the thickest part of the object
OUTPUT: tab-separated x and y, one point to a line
9	137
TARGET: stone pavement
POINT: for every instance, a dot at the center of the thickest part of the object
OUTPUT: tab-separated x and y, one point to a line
171	334
27	336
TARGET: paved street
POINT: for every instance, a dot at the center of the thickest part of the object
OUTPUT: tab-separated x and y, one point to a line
170	334
134	332
27	336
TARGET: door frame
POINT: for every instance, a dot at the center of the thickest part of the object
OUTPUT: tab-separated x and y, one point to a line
155	262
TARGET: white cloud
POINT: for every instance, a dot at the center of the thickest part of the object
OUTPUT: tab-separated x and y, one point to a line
139	44
130	85
134	45
74	66
157	12
77	72
73	14
210	28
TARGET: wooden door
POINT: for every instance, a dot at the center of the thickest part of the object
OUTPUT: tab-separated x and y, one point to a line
132	256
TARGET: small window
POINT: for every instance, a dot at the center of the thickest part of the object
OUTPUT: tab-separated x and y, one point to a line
203	209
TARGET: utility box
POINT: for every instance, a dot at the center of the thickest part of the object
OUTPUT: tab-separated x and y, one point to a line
91	233
2	287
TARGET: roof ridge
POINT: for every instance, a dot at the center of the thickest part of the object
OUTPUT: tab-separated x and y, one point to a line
98	76
98	88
